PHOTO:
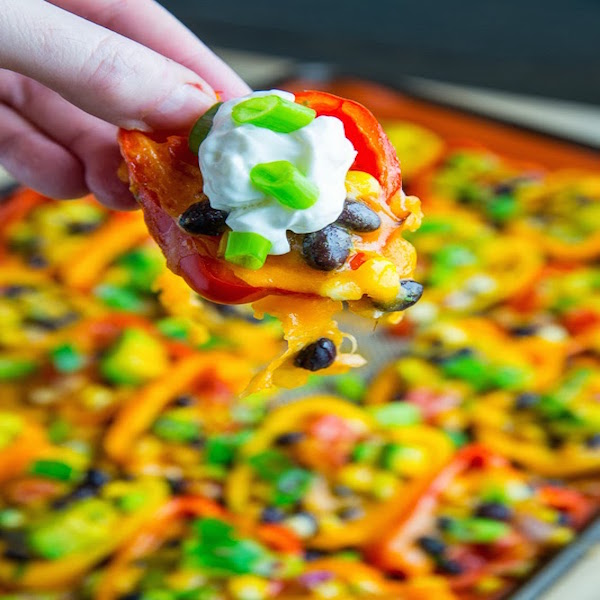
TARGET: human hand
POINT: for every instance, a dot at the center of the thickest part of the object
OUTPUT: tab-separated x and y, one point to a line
72	71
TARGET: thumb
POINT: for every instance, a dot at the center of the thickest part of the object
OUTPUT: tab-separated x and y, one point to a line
101	72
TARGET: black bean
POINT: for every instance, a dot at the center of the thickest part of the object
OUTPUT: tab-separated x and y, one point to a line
410	293
593	441
96	478
524	331
460	353
493	510
37	261
343	491
184	400
431	545
177	485
316	356
555	441
357	216
351	513
81	227
444	523
198	443
132	596
327	249
15	545
202	219
526	400
450	567
312	554
289	438
272	514
15	291
564	519
54	323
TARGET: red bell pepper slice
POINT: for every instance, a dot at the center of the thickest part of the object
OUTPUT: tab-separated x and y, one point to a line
196	260
376	155
388	551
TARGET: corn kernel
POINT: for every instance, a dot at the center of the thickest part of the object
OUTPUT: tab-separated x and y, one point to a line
248	587
357	477
561	536
384	485
361	185
489	584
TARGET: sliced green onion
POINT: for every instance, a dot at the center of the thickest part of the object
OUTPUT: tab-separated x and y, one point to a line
52	469
174	327
247	249
175	427
274	113
284	182
477	530
118	297
15	368
396	413
291	486
202	127
67	359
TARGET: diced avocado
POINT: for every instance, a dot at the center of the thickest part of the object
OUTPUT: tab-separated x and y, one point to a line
136	358
75	530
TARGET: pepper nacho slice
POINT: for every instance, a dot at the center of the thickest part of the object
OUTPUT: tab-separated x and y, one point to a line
296	200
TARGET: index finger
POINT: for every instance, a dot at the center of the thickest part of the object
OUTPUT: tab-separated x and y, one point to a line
148	23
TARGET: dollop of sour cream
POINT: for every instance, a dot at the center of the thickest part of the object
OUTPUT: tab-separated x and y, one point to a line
320	150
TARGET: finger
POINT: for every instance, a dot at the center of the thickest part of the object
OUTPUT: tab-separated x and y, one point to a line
150	24
35	160
101	72
88	138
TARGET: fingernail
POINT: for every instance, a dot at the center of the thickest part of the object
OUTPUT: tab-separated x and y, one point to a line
182	107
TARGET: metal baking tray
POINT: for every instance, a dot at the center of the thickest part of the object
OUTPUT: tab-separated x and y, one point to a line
380	349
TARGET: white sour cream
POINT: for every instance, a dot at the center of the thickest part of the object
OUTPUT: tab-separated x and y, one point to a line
320	150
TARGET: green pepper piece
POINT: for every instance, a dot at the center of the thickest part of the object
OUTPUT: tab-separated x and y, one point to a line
143	265
270	464
136	358
467	367
217	548
67	359
502	208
